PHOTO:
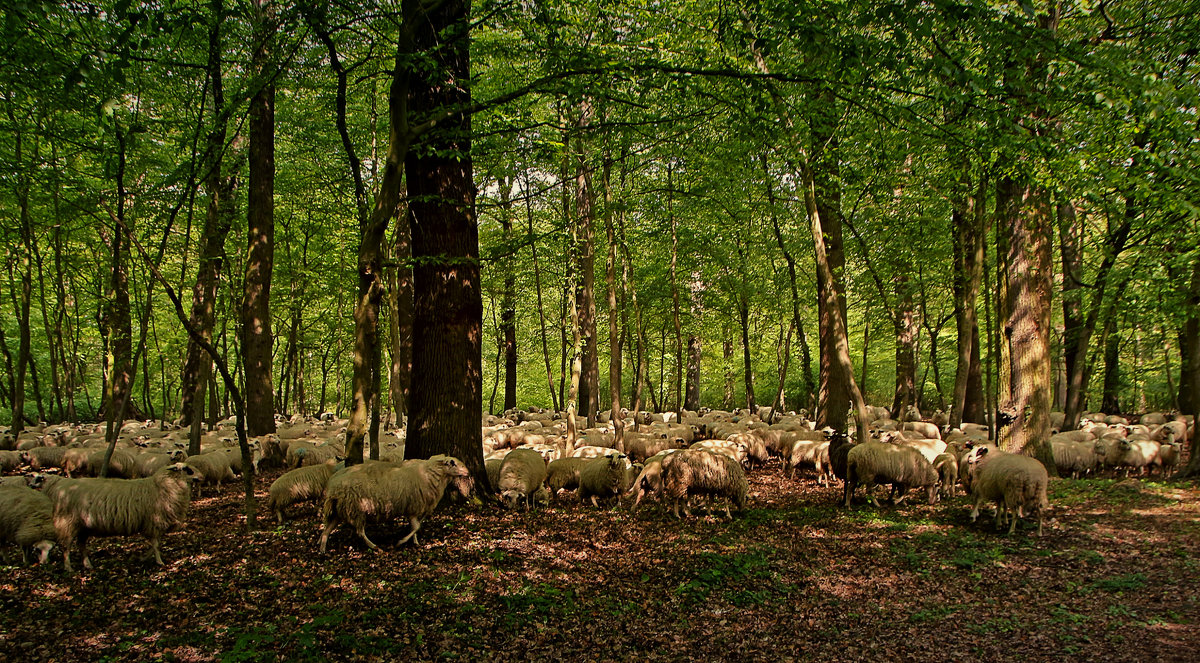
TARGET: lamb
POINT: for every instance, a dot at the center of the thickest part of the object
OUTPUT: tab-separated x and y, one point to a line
602	478
122	507
26	519
381	490
305	484
212	467
699	472
521	474
901	466
1014	482
946	465
563	474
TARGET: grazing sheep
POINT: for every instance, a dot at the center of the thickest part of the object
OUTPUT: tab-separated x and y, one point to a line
563	474
27	519
602	478
1073	459
149	462
901	466
305	484
809	452
235	456
735	449
521	474
757	449
42	458
1138	454
381	490
9	460
699	472
1014	482
122	507
212	467
123	464
649	478
641	446
946	465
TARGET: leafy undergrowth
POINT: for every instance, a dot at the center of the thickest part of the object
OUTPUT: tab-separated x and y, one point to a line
793	577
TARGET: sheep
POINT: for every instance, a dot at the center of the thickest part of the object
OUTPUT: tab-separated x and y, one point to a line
839	450
563	474
149	462
123	464
212	467
641	446
734	449
122	507
41	458
926	429
928	447
492	467
9	460
946	465
1133	454
807	452
27	519
757	449
901	466
602	478
649	478
592	452
1168	456
1073	459
521	474
699	472
305	484
381	490
1014	482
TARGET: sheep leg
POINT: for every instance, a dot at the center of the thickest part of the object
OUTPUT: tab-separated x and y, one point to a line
902	491
82	542
361	530
154	541
330	525
975	509
416	525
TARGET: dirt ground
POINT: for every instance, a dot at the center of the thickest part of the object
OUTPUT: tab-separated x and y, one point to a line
792	578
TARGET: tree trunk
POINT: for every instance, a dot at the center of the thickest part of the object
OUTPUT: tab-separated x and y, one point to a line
747	365
446	400
1190	338
400	322
585	209
218	220
967	234
727	355
508	310
835	383
905	323
614	337
257	339
25	289
537	283
1110	400
677	381
1027	329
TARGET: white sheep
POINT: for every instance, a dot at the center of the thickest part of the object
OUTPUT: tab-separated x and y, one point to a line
522	473
151	507
1073	459
380	491
699	472
1139	454
735	449
304	484
27	519
946	465
901	466
602	478
1014	482
210	468
810	452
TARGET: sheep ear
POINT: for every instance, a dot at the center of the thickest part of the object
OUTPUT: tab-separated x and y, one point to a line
983	451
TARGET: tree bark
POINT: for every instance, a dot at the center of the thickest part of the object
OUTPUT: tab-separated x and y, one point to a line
614	338
218	220
905	323
1027	329
257	338
446	401
585	210
537	284
508	308
400	322
1110	400
1191	372
967	232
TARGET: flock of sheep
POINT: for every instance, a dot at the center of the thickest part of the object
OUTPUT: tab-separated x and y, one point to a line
52	497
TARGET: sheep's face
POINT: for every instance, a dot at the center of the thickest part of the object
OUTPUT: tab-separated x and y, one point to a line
454	467
43	550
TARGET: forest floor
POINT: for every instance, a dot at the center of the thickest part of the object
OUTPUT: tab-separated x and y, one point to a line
794	577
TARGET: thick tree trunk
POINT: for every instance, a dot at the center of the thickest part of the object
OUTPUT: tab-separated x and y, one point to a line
1027	329
835	382
257	339
1190	339
446	400
25	288
585	209
677	381
967	233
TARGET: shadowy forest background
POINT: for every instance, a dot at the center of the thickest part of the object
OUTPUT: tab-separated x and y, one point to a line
433	210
